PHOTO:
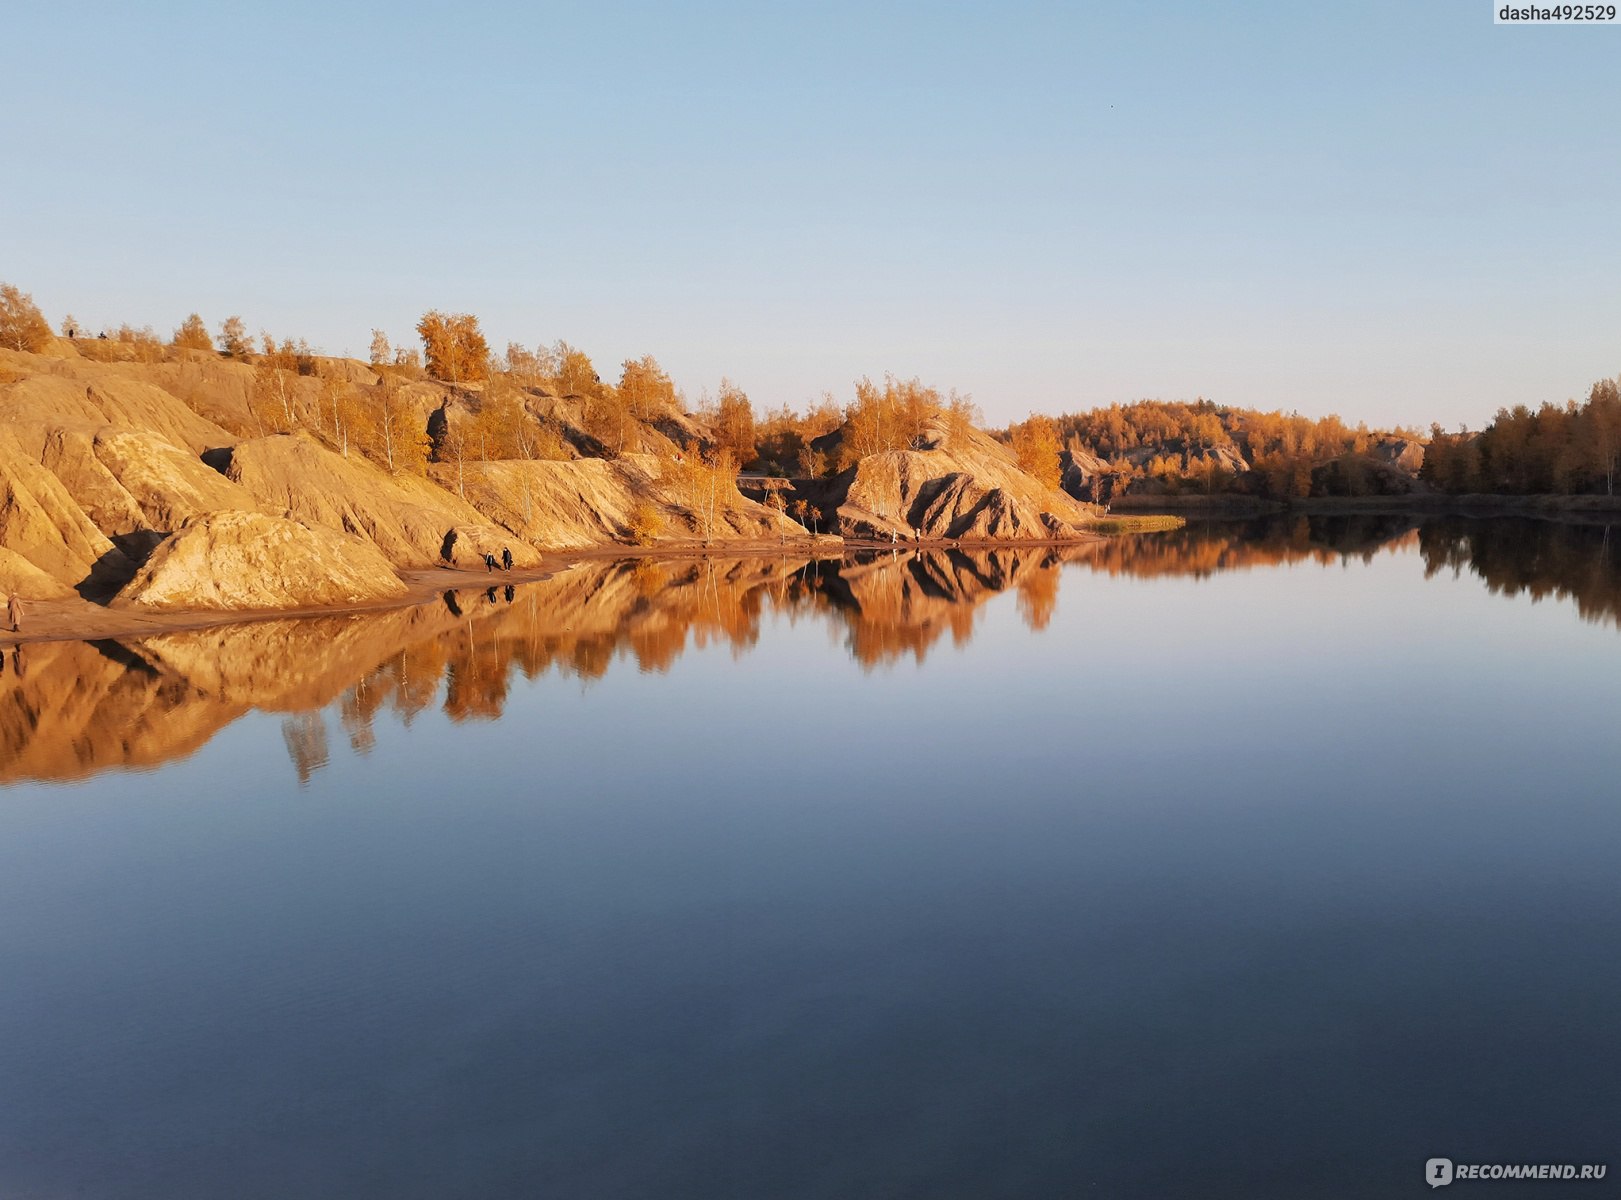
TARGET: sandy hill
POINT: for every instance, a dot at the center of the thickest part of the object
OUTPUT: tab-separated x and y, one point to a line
963	486
590	501
231	561
166	479
403	516
107	464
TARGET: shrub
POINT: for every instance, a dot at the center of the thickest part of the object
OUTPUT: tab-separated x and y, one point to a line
646	522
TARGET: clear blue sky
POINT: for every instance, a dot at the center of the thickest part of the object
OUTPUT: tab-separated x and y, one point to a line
1393	210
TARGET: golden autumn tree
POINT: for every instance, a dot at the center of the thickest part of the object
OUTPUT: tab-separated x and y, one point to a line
645	389
526	367
705	484
22	326
611	414
234	339
607	419
962	414
275	385
573	373
1036	445
192	335
498	430
399	440
342	413
892	417
871	425
454	346
733	422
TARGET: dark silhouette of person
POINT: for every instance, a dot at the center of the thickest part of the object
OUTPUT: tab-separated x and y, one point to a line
489	596
17	662
506	558
489	562
511	593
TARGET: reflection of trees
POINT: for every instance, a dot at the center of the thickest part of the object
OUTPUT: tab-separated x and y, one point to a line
1202	549
1038	597
84	708
305	735
1581	563
578	623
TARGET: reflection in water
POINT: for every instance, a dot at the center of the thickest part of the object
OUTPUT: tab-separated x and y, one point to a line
305	735
1208	548
1581	563
74	709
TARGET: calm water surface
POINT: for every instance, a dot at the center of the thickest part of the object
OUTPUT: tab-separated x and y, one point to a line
1242	862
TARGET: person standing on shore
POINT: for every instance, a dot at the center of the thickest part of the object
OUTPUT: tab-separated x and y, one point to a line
506	558
14	612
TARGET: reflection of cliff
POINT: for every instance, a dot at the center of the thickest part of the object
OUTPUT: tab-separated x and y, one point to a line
73	709
1581	563
79	708
902	604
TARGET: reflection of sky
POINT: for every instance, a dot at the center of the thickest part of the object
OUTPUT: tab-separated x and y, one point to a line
1279	881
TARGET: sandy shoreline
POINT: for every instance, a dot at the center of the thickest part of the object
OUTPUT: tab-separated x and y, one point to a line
80	620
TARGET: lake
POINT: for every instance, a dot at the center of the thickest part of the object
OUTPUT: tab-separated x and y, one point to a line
1252	860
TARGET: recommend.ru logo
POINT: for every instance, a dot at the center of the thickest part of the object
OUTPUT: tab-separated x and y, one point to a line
1438	1172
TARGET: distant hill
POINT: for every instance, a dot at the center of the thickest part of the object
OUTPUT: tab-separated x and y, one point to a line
1156	448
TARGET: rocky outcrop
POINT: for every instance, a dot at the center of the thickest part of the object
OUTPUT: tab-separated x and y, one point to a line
19	577
129	481
1404	453
1216	458
70	455
964	487
41	522
247	561
1087	477
94	453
